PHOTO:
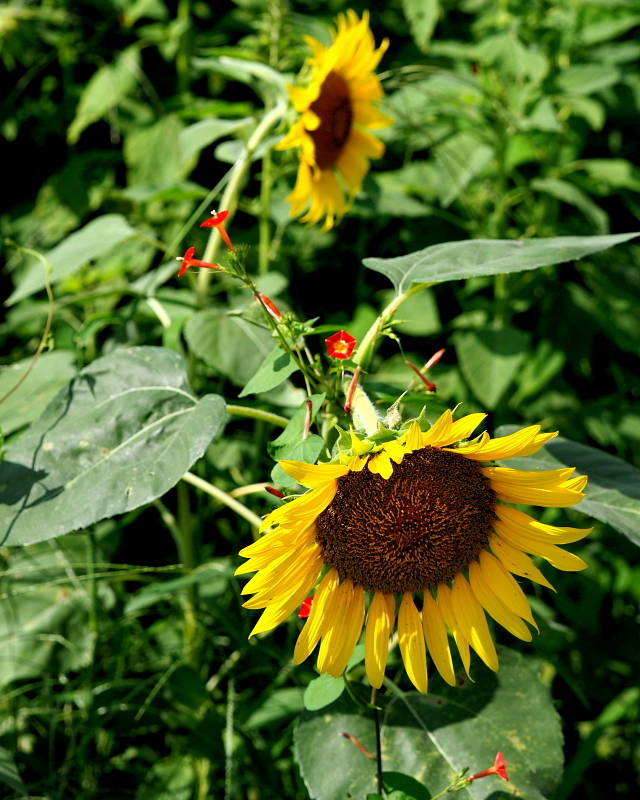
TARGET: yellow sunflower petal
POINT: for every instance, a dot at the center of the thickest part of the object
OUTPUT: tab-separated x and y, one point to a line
557	557
413	437
380	464
439	432
540	440
379	625
471	618
435	633
300	573
464	427
313	475
518	562
275	614
505	586
319	617
444	603
523	523
494	605
395	451
354	618
332	638
412	644
503	446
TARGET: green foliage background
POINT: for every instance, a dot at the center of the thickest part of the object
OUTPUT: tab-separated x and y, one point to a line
124	659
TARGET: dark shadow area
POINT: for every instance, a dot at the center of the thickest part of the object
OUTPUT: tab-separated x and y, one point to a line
17	481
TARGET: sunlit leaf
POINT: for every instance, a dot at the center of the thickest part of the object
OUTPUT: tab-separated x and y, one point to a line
121	434
91	242
432	737
467	259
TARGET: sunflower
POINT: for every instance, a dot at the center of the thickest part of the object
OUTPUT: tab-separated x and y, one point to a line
337	108
412	515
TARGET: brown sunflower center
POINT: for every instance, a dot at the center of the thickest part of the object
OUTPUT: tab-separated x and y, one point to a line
333	107
419	528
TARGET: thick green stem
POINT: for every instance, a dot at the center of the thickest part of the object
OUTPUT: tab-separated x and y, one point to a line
223	497
231	194
265	223
366	349
258	413
376	719
364	412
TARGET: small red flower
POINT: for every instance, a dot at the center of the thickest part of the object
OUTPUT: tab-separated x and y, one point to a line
271	307
499	768
188	260
217	221
341	345
305	609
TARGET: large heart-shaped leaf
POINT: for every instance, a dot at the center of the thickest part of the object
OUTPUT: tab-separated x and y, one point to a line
613	491
468	259
432	737
121	434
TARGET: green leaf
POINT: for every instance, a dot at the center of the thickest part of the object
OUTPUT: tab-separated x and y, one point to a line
456	260
460	159
121	434
91	242
108	87
215	574
432	737
153	154
489	360
203	133
275	369
418	316
422	16
587	78
323	691
231	344
279	707
9	773
398	783
607	29
613	491
290	444
51	372
569	193
45	611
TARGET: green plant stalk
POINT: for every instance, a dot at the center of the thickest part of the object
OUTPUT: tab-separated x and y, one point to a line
231	194
182	532
265	224
376	719
364	412
223	497
182	58
258	413
366	349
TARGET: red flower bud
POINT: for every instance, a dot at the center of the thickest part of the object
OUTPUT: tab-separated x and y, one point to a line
499	768
216	221
188	260
271	307
274	492
341	345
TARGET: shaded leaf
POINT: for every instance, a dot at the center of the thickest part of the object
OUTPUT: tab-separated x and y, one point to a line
51	372
613	491
121	434
94	240
456	260
489	360
423	16
233	345
322	691
195	137
9	773
275	369
279	707
153	154
432	737
569	193
108	87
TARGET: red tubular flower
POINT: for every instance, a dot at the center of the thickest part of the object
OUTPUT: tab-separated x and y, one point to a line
274	492
217	221
305	609
341	345
271	307
188	260
499	768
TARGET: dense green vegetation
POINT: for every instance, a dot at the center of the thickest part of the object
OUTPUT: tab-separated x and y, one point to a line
125	666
